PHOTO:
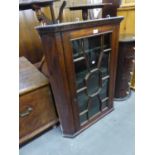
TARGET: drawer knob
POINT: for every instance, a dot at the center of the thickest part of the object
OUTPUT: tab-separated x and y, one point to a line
25	113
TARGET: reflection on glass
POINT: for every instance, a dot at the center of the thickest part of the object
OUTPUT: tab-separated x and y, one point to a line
104	92
94	107
83	118
82	101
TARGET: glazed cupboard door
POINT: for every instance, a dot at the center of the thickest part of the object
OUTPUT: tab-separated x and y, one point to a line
90	60
91	57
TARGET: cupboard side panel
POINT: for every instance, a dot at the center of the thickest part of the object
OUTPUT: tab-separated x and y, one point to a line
52	44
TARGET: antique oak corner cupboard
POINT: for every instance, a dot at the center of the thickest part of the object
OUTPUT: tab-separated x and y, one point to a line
82	59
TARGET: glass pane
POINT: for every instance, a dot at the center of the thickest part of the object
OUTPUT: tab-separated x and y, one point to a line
107	41
104	91
92	43
94	107
83	118
105	63
81	72
92	47
77	48
82	101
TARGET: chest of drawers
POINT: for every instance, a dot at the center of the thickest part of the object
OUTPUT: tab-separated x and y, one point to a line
36	108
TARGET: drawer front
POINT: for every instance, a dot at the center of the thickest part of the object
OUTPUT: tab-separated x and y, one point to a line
36	110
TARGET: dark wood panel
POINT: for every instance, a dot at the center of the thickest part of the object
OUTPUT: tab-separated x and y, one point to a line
111	10
28	4
125	67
